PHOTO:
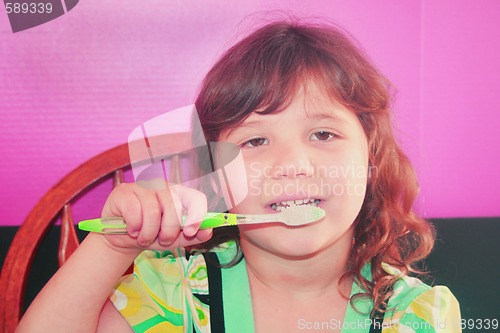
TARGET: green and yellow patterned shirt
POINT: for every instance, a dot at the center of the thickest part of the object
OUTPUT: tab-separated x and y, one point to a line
172	291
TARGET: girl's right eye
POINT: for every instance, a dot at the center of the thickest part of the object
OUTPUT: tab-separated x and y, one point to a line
255	142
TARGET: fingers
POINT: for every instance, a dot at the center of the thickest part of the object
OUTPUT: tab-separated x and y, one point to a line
151	217
183	241
124	202
154	216
140	209
203	235
171	220
173	200
195	203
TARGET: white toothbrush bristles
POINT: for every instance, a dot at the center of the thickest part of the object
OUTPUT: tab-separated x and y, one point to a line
299	215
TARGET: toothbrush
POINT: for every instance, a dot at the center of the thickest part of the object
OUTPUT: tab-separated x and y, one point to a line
292	216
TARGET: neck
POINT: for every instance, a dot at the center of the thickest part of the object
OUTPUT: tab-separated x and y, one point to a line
314	275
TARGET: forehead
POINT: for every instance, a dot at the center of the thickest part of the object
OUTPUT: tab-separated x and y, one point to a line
311	101
304	110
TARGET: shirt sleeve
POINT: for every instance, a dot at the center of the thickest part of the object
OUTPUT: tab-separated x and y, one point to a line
158	296
435	310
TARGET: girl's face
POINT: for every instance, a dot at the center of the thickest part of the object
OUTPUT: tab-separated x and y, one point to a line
314	152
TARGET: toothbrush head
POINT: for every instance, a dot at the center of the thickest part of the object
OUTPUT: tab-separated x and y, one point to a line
300	215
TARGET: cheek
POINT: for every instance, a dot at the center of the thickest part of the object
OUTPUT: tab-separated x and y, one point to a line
233	180
344	179
252	181
255	177
349	167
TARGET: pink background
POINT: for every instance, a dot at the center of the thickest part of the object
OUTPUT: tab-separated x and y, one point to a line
78	85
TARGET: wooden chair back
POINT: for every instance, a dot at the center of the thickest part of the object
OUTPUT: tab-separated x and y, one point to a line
57	201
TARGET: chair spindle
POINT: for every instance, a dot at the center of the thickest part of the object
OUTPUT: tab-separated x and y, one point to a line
68	241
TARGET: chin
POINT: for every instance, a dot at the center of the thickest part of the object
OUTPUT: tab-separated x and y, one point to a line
301	242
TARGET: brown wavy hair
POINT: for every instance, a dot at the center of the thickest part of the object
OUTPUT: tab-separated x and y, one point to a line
264	71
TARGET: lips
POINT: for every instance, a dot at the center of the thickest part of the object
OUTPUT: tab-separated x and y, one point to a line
279	206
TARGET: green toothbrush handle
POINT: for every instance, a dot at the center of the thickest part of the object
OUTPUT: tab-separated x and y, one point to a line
116	225
214	220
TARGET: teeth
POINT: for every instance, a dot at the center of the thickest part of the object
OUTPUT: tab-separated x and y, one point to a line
289	203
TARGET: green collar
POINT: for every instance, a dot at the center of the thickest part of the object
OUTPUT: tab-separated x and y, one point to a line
238	311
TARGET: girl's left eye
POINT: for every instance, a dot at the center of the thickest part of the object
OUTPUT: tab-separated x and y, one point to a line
255	142
322	136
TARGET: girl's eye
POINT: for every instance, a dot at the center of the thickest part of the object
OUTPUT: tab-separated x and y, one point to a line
322	136
255	142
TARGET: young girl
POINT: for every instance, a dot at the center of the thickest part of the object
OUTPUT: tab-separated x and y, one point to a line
311	116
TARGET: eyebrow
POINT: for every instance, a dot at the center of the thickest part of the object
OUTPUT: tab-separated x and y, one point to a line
315	115
331	115
242	126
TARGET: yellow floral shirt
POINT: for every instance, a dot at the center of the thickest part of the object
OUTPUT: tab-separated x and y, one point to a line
170	291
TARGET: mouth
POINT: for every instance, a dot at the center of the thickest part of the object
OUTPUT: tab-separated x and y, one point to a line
279	206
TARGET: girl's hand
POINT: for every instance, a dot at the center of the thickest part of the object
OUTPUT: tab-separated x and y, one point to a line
153	215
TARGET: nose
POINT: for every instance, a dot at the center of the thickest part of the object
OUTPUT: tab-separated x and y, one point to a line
292	162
